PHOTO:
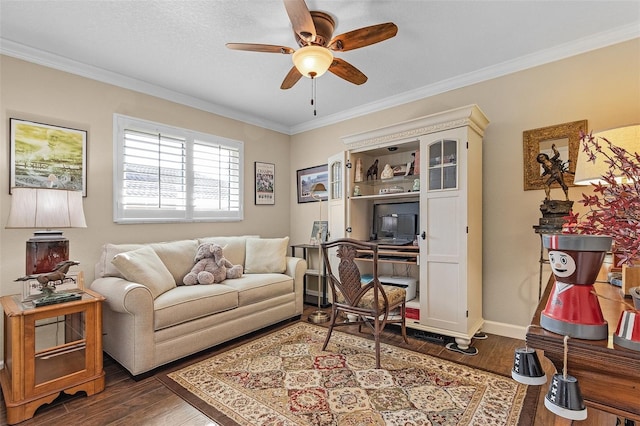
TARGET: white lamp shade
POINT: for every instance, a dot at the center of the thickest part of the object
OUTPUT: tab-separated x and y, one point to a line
312	61
588	172
318	191
46	208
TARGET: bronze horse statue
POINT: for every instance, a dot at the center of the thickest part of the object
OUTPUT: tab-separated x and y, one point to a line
49	280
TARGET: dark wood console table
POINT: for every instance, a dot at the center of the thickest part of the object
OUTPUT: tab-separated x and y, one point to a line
609	376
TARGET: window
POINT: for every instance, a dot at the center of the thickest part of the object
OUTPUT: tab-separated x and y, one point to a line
169	174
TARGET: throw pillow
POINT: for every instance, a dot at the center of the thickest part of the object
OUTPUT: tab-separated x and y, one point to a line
105	267
266	255
144	266
177	256
234	248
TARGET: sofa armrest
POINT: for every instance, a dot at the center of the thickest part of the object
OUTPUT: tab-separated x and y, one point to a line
128	334
124	296
296	268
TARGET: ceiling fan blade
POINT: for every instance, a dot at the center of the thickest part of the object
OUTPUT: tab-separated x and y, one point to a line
267	48
363	37
345	70
301	19
291	79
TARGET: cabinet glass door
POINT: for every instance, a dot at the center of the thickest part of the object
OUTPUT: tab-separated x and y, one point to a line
60	346
442	160
335	180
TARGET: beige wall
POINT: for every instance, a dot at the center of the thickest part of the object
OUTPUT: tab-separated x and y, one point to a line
602	87
41	94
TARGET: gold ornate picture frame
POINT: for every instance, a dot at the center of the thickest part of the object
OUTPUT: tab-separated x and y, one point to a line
565	136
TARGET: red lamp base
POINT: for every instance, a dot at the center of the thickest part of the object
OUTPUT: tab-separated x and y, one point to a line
44	251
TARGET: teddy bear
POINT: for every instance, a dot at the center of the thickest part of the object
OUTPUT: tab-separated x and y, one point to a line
211	266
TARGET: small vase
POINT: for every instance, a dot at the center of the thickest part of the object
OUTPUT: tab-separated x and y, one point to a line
627	332
573	309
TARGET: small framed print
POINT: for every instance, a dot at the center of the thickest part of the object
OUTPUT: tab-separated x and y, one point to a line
47	156
265	183
73	282
319	232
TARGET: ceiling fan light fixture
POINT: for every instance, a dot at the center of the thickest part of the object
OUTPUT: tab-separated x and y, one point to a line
312	61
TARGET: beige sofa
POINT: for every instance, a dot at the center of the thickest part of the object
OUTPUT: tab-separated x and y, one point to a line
150	318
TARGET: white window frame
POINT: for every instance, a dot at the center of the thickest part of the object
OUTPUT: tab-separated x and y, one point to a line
122	123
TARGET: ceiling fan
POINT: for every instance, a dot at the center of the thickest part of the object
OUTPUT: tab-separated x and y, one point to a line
313	32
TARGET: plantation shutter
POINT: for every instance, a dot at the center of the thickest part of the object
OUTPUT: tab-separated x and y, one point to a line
154	172
164	174
216	185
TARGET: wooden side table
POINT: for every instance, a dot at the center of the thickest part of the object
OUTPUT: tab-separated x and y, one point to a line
48	350
609	375
320	272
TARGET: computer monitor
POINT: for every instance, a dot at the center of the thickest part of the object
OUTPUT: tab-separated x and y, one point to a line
395	223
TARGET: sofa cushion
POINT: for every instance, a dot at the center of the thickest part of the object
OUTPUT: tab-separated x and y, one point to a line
253	288
187	303
266	255
233	248
177	256
144	266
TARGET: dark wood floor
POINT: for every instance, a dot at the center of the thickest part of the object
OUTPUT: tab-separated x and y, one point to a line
148	402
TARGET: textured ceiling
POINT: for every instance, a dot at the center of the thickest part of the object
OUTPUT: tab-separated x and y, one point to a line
176	49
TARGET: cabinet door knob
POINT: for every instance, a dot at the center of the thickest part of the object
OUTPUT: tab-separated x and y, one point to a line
423	235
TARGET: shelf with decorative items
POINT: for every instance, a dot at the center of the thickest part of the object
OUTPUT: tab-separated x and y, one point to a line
391	170
393	187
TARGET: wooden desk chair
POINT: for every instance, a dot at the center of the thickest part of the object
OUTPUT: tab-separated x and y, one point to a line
372	302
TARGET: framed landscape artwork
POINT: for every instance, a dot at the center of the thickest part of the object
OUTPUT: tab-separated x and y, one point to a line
47	156
265	183
307	178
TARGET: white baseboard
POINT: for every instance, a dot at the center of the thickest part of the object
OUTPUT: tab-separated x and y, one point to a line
491	327
506	330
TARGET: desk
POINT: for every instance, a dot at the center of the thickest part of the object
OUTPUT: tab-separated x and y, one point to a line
609	377
407	255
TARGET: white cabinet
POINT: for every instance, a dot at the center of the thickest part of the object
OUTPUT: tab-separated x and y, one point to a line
448	147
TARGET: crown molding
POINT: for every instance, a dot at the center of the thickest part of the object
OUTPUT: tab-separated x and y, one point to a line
586	44
563	51
40	57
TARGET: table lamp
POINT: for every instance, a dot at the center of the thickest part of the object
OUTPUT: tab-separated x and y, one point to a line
587	172
317	192
46	209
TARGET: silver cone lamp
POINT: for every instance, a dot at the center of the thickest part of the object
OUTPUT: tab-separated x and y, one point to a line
564	397
526	367
318	191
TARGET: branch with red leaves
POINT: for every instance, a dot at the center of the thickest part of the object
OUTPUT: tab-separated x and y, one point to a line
614	209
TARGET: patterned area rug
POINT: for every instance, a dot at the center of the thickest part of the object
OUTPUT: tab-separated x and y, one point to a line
284	378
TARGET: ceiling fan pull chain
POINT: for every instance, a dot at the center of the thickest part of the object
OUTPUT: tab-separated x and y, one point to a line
313	93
